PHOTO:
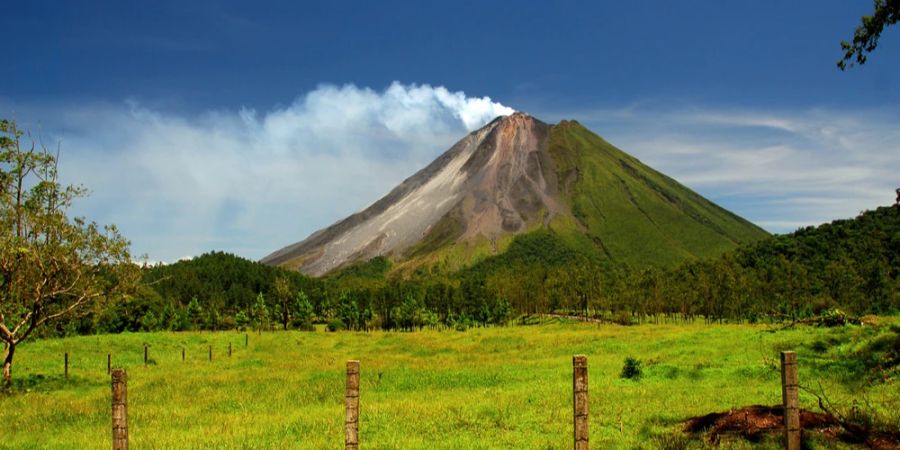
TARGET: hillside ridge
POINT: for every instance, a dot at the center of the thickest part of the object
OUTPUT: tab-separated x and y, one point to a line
517	175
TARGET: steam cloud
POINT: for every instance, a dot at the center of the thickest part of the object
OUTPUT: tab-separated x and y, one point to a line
249	182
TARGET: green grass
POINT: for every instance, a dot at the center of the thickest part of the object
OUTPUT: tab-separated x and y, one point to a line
483	388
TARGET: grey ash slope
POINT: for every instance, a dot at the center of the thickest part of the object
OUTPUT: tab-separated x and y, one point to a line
514	175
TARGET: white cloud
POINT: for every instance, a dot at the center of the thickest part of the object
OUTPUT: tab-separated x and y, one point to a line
250	182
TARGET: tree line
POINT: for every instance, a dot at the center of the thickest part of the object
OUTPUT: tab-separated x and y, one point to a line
851	265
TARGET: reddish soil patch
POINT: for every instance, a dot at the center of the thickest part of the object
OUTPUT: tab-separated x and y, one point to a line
755	422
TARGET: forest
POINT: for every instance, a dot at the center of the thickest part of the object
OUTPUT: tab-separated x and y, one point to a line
847	267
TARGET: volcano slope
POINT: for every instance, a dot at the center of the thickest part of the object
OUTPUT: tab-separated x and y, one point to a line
518	175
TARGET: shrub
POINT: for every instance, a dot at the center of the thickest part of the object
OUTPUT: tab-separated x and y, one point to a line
228	323
623	318
834	318
241	320
376	323
149	322
303	325
336	324
632	369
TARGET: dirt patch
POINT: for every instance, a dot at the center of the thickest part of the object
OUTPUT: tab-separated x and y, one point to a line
755	422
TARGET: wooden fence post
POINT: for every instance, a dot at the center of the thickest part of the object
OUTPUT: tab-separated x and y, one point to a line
246	340
229	349
182	354
580	400
790	400
210	352
119	410
145	354
108	363
352	422
66	365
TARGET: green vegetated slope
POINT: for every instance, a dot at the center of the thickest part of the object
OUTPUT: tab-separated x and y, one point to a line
870	242
620	213
637	216
501	387
222	284
220	276
848	263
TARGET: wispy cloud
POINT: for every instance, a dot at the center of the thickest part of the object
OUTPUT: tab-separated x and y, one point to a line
247	181
780	169
251	181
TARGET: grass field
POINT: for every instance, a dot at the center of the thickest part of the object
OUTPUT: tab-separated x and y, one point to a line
483	388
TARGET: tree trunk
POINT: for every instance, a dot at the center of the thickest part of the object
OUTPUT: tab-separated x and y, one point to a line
7	363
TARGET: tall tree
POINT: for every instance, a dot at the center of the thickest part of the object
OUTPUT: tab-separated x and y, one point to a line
284	294
51	266
195	313
260	312
865	38
303	311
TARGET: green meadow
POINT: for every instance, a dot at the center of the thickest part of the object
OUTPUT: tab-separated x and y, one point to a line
501	387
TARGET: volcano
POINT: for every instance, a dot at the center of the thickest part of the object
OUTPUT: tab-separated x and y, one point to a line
518	175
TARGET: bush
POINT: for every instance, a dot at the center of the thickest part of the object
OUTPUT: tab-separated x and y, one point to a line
336	324
303	325
228	323
632	369
376	323
623	318
241	320
834	318
463	323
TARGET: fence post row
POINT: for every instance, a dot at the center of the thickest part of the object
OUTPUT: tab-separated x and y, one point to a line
790	400
580	400
789	393
119	410
66	366
352	422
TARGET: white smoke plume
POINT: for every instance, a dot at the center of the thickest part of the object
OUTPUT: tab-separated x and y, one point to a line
250	182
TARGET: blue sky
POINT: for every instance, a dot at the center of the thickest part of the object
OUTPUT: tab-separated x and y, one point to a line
245	127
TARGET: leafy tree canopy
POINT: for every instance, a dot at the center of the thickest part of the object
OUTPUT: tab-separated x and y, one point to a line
51	266
865	38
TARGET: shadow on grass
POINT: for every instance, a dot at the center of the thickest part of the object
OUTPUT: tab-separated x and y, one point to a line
862	355
36	382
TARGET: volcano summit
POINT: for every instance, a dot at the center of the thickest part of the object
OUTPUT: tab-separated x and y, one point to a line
518	175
